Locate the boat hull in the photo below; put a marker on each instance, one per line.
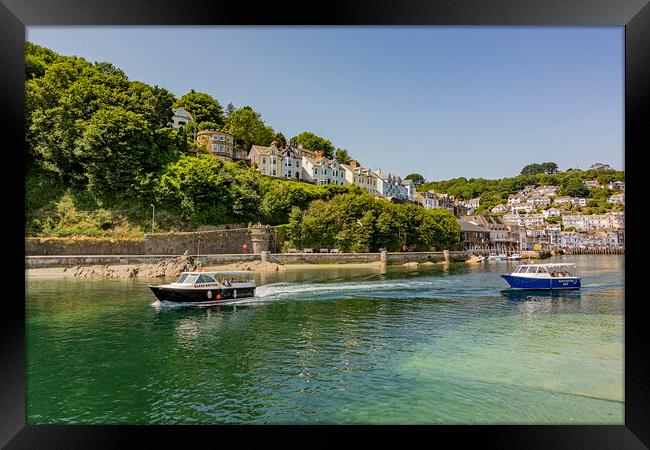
(542, 283)
(201, 296)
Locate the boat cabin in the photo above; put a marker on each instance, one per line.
(546, 270)
(216, 279)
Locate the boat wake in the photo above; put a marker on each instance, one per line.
(387, 288)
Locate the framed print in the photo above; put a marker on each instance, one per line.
(379, 215)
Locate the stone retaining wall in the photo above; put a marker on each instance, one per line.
(83, 246)
(201, 242)
(228, 241)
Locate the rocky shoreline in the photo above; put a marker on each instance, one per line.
(169, 268)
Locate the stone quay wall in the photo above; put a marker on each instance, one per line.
(199, 242)
(32, 262)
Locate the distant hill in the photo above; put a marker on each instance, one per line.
(494, 192)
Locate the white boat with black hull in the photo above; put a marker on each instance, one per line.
(203, 288)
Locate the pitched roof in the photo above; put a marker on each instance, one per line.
(182, 112)
(260, 149)
(466, 225)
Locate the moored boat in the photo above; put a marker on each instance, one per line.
(515, 257)
(544, 276)
(206, 288)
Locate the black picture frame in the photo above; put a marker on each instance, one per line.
(634, 15)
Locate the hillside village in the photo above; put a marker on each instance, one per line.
(536, 218)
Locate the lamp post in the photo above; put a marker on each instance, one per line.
(153, 213)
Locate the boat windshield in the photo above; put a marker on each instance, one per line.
(191, 279)
(182, 278)
(205, 279)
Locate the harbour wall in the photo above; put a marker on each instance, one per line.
(42, 261)
(595, 251)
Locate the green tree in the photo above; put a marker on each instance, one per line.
(248, 128)
(207, 126)
(311, 141)
(439, 229)
(549, 167)
(532, 169)
(280, 140)
(342, 156)
(418, 180)
(202, 106)
(230, 108)
(116, 146)
(575, 187)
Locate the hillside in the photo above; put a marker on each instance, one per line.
(494, 192)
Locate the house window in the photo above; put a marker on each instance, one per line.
(263, 160)
(274, 173)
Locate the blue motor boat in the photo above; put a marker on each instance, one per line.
(544, 276)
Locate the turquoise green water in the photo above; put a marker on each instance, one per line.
(441, 345)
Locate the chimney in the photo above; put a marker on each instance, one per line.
(354, 163)
(320, 153)
(274, 143)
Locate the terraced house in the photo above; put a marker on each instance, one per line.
(268, 160)
(389, 185)
(355, 174)
(321, 170)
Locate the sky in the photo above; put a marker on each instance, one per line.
(445, 102)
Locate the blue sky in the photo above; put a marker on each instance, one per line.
(441, 101)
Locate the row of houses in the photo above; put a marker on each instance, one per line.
(613, 220)
(532, 198)
(483, 233)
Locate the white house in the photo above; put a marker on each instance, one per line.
(539, 201)
(514, 199)
(291, 163)
(617, 199)
(388, 185)
(355, 174)
(543, 191)
(408, 190)
(428, 200)
(552, 212)
(564, 200)
(616, 186)
(501, 208)
(525, 207)
(320, 170)
(180, 117)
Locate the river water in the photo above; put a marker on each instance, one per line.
(438, 345)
